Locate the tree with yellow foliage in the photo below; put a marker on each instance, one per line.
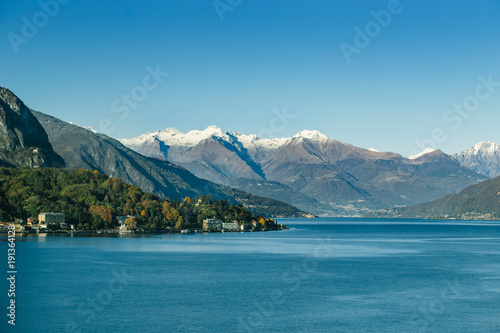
(167, 210)
(131, 223)
(178, 225)
(262, 221)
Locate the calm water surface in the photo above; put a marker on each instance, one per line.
(323, 275)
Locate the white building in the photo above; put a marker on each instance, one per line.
(230, 226)
(123, 227)
(122, 219)
(212, 224)
(51, 218)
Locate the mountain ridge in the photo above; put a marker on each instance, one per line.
(326, 172)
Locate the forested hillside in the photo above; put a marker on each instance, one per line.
(92, 200)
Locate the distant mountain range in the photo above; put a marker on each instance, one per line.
(480, 201)
(310, 170)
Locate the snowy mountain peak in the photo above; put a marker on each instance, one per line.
(487, 147)
(253, 141)
(212, 130)
(312, 135)
(194, 137)
(484, 158)
(172, 131)
(172, 136)
(374, 150)
(426, 151)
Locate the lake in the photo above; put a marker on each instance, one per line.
(322, 275)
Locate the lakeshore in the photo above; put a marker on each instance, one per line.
(216, 226)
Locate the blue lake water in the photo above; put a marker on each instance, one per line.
(322, 275)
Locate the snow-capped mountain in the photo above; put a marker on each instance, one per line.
(424, 152)
(253, 141)
(311, 135)
(172, 137)
(484, 158)
(309, 170)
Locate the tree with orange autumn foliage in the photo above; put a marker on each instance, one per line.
(105, 213)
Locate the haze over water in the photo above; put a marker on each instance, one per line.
(322, 275)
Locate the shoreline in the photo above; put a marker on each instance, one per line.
(137, 232)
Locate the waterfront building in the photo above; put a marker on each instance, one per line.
(230, 226)
(121, 219)
(51, 218)
(212, 224)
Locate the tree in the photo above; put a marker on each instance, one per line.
(134, 193)
(175, 214)
(178, 225)
(262, 221)
(97, 222)
(131, 223)
(103, 212)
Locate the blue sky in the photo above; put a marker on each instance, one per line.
(262, 57)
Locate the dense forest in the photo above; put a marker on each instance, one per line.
(91, 200)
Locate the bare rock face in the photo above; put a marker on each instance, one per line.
(23, 141)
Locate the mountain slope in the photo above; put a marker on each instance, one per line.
(23, 141)
(284, 193)
(484, 158)
(82, 148)
(480, 201)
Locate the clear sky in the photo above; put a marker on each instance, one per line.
(238, 63)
